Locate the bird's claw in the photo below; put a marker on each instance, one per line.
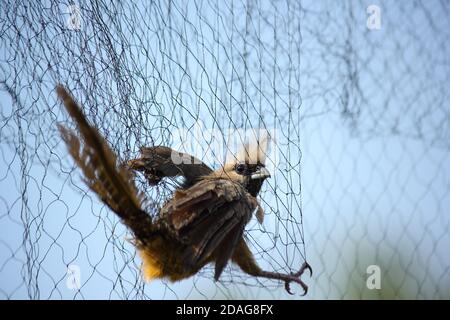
(305, 266)
(295, 277)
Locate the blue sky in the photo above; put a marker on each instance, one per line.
(374, 181)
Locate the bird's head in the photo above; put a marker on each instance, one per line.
(248, 166)
(251, 176)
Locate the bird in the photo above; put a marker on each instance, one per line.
(203, 221)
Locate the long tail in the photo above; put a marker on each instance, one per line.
(102, 173)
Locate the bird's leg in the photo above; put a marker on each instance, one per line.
(243, 257)
(288, 278)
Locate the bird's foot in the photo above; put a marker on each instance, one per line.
(150, 174)
(296, 277)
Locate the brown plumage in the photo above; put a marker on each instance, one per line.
(202, 223)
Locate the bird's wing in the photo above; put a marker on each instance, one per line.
(111, 182)
(210, 217)
(159, 162)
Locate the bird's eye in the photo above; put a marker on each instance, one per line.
(240, 168)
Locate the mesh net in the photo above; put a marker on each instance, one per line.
(372, 166)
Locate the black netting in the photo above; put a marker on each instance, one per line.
(371, 107)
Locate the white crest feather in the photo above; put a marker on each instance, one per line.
(253, 151)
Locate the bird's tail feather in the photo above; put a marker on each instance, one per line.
(102, 173)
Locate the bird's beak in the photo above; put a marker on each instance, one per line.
(261, 173)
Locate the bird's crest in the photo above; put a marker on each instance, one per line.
(254, 151)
